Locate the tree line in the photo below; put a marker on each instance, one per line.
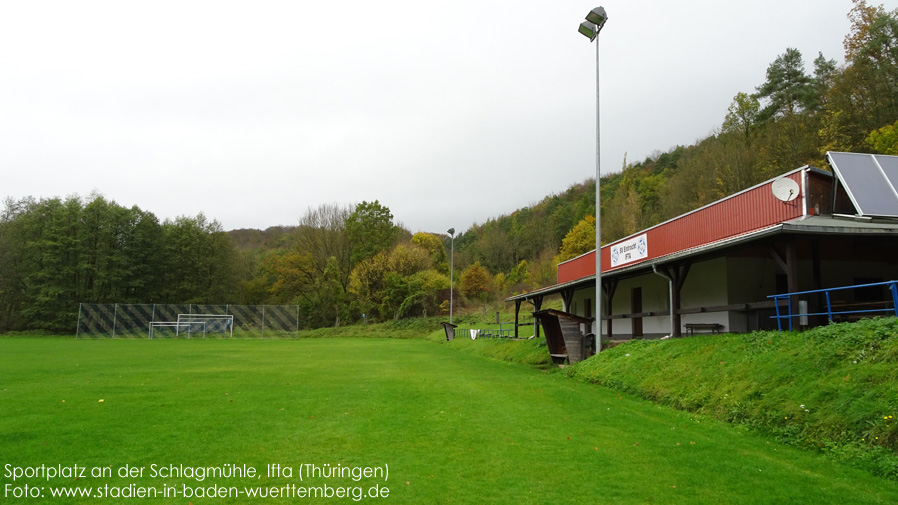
(56, 253)
(341, 264)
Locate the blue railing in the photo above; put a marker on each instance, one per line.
(840, 308)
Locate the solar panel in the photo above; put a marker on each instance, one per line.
(889, 166)
(870, 181)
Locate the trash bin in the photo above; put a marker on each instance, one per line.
(589, 345)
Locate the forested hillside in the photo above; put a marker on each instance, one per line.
(789, 120)
(343, 263)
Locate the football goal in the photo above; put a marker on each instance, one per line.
(196, 324)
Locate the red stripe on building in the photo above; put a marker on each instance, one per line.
(753, 209)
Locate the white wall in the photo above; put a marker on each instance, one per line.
(706, 285)
(724, 281)
(654, 298)
(751, 279)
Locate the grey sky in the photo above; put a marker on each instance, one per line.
(449, 113)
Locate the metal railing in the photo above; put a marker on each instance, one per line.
(487, 333)
(836, 308)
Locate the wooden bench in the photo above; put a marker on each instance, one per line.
(713, 327)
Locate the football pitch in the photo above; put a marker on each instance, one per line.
(365, 420)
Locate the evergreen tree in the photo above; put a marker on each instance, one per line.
(788, 89)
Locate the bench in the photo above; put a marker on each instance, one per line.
(713, 327)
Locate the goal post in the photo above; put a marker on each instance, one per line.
(220, 323)
(188, 327)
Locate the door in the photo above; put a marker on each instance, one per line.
(635, 308)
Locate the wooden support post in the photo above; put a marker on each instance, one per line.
(537, 306)
(677, 275)
(789, 265)
(567, 296)
(608, 288)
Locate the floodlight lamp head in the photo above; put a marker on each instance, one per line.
(597, 17)
(589, 30)
(451, 232)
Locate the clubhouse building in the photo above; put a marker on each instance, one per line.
(715, 268)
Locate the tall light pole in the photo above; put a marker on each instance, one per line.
(451, 233)
(595, 20)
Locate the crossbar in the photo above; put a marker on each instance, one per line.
(205, 317)
(177, 326)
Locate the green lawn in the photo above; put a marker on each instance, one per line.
(451, 427)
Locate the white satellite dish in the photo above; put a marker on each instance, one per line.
(784, 189)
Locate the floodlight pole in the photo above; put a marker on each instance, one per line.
(598, 215)
(595, 20)
(451, 233)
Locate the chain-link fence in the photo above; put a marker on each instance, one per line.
(117, 320)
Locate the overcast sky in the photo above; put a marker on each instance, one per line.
(448, 113)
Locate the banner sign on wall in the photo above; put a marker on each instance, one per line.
(637, 248)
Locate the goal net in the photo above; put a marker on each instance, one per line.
(194, 326)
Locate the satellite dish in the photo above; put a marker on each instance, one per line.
(784, 189)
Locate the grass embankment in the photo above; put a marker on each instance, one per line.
(413, 328)
(833, 388)
(452, 427)
(529, 352)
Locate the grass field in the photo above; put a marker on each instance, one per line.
(449, 426)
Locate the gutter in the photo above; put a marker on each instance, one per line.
(670, 284)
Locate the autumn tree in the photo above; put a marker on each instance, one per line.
(885, 139)
(519, 275)
(435, 249)
(580, 240)
(392, 284)
(476, 282)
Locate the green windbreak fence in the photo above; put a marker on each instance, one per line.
(118, 320)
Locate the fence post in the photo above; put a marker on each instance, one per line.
(78, 329)
(776, 305)
(790, 313)
(894, 289)
(829, 307)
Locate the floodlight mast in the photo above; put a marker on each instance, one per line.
(451, 233)
(590, 28)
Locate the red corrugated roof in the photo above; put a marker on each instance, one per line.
(745, 212)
